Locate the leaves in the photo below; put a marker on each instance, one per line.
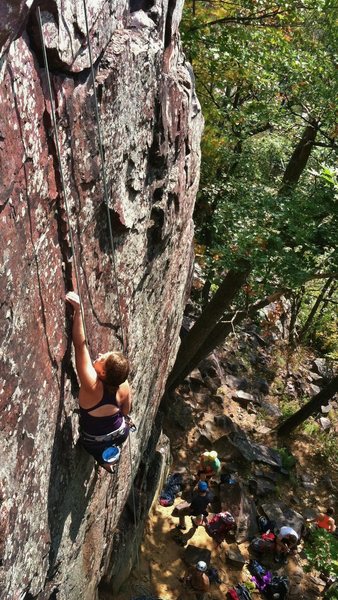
(321, 552)
(263, 74)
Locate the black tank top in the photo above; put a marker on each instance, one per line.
(95, 425)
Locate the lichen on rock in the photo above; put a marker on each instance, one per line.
(57, 513)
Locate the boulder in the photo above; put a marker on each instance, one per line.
(243, 398)
(192, 554)
(227, 453)
(255, 452)
(218, 398)
(234, 498)
(312, 376)
(235, 556)
(263, 429)
(239, 383)
(270, 409)
(195, 377)
(210, 430)
(266, 472)
(321, 367)
(181, 413)
(261, 486)
(282, 514)
(262, 386)
(226, 423)
(325, 423)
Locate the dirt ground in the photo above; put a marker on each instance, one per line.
(160, 559)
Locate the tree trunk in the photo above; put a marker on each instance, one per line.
(327, 299)
(311, 407)
(212, 313)
(205, 293)
(314, 309)
(299, 158)
(296, 302)
(219, 333)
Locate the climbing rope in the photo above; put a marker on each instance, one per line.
(105, 189)
(112, 245)
(104, 181)
(56, 140)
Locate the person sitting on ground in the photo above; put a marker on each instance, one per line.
(286, 543)
(197, 508)
(104, 396)
(198, 582)
(325, 520)
(209, 465)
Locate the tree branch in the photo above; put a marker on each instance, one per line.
(239, 19)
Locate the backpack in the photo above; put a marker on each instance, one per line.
(172, 487)
(261, 545)
(256, 568)
(260, 576)
(265, 524)
(219, 525)
(240, 592)
(277, 588)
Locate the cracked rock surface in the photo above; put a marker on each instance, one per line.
(57, 513)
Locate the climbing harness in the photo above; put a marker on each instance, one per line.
(107, 437)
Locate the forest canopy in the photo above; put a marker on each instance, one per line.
(266, 76)
(266, 212)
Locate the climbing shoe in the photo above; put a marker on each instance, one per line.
(111, 455)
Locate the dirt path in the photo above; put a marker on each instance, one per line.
(161, 563)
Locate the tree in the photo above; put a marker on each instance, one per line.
(309, 409)
(329, 283)
(217, 334)
(209, 318)
(268, 95)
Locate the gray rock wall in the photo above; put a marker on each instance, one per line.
(57, 513)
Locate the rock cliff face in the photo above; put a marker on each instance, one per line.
(58, 515)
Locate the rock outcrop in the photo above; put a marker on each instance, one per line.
(57, 513)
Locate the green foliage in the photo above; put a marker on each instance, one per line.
(288, 407)
(322, 334)
(263, 74)
(329, 447)
(310, 427)
(288, 461)
(332, 592)
(321, 551)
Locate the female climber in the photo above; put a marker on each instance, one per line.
(104, 397)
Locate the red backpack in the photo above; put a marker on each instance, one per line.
(219, 525)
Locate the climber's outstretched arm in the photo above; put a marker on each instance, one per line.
(85, 370)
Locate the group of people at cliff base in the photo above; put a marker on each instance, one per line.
(281, 543)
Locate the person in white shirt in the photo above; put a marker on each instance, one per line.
(286, 543)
